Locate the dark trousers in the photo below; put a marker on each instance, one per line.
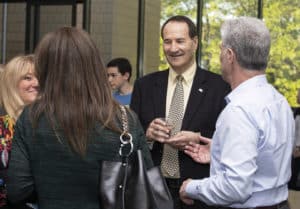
(295, 173)
(282, 205)
(174, 186)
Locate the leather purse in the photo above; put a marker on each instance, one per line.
(127, 184)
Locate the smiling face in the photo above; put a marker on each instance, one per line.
(28, 87)
(178, 46)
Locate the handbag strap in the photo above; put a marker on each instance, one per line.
(125, 137)
(124, 151)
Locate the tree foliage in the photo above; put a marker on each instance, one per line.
(282, 18)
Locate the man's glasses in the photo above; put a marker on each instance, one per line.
(113, 75)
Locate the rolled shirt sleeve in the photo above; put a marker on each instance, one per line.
(235, 147)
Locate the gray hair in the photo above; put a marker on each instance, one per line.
(250, 39)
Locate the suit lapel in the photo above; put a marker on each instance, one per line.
(160, 93)
(196, 97)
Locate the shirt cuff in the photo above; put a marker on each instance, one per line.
(192, 189)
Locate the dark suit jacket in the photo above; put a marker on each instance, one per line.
(205, 103)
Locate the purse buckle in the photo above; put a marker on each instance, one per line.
(126, 140)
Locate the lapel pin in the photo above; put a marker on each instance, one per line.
(200, 90)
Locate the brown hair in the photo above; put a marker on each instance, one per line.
(74, 91)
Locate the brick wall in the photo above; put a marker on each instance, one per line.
(54, 17)
(15, 34)
(114, 26)
(152, 31)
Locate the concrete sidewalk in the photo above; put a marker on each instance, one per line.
(294, 199)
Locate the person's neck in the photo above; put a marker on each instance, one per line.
(241, 75)
(126, 89)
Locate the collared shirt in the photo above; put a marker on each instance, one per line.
(251, 149)
(188, 77)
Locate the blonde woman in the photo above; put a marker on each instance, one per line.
(18, 87)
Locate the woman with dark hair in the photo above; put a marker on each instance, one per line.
(74, 124)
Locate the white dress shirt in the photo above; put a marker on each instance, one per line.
(251, 149)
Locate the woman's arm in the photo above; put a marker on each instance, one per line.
(20, 184)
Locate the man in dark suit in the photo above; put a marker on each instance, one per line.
(203, 100)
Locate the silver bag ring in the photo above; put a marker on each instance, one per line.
(122, 147)
(126, 138)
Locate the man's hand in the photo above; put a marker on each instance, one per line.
(199, 152)
(158, 131)
(183, 196)
(183, 138)
(296, 152)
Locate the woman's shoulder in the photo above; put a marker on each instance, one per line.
(133, 119)
(25, 114)
(27, 121)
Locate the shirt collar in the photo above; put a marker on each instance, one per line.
(188, 75)
(250, 83)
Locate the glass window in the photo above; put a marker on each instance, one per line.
(214, 13)
(283, 20)
(281, 17)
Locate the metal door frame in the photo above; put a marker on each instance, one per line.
(86, 24)
(31, 39)
(36, 4)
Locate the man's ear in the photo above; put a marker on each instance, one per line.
(195, 43)
(126, 75)
(230, 54)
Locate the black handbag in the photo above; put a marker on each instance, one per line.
(127, 184)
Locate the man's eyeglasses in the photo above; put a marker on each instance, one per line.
(113, 75)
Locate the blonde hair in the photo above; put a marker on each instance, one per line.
(14, 71)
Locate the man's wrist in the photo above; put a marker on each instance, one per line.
(149, 139)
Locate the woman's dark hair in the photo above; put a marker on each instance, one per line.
(74, 91)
